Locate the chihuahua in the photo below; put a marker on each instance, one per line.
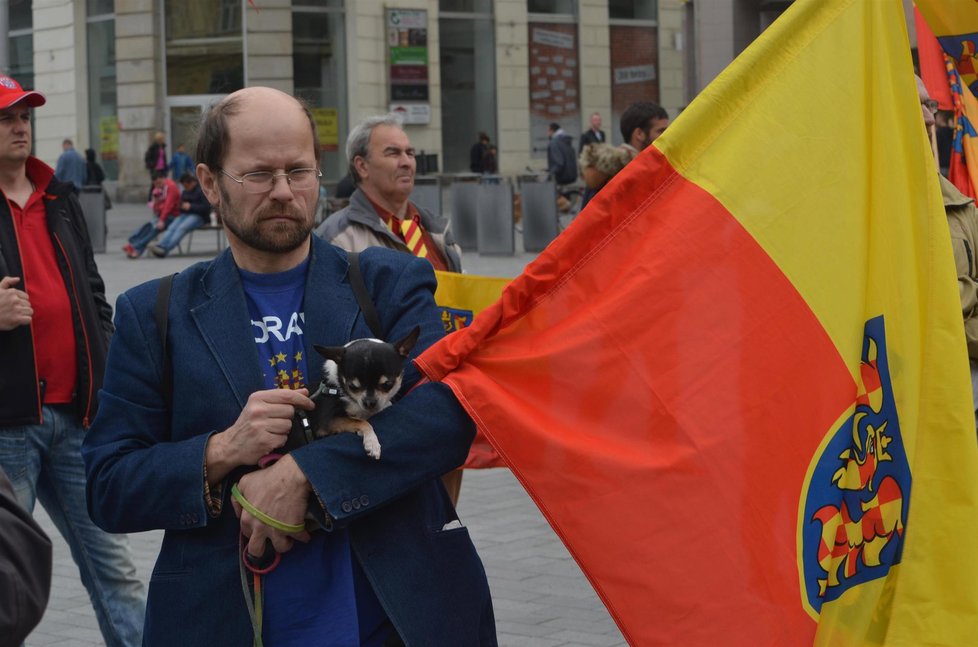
(359, 380)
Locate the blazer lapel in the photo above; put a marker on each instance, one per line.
(224, 323)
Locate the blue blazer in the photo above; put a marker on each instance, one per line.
(145, 464)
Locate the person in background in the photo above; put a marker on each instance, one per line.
(71, 166)
(155, 157)
(94, 174)
(561, 160)
(477, 154)
(55, 326)
(641, 124)
(195, 210)
(165, 206)
(181, 164)
(593, 135)
(490, 165)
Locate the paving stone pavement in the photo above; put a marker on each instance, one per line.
(541, 598)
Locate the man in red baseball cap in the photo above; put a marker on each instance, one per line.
(55, 325)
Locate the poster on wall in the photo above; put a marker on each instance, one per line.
(634, 66)
(407, 56)
(108, 128)
(554, 74)
(327, 127)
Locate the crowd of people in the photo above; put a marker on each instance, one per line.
(109, 445)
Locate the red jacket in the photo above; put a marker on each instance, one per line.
(166, 201)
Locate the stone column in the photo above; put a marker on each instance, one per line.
(60, 72)
(595, 58)
(512, 86)
(369, 75)
(269, 45)
(671, 56)
(139, 79)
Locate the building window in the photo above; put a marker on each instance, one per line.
(568, 7)
(632, 9)
(20, 42)
(203, 47)
(103, 120)
(554, 71)
(467, 52)
(319, 75)
(634, 52)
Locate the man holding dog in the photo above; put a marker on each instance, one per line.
(55, 326)
(390, 563)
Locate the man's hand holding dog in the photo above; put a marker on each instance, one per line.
(262, 427)
(15, 306)
(281, 491)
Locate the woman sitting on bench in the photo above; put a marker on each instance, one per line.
(195, 210)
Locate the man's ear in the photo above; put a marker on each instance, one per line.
(360, 164)
(208, 184)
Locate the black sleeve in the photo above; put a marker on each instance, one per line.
(95, 282)
(25, 568)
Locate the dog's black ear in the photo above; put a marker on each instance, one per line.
(334, 353)
(405, 345)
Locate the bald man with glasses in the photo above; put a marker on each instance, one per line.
(387, 561)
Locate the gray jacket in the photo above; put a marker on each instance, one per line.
(357, 226)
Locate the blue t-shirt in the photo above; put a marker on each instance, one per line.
(313, 596)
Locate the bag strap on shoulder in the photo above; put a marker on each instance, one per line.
(363, 297)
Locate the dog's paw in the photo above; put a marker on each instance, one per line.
(372, 446)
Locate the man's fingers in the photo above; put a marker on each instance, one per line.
(9, 281)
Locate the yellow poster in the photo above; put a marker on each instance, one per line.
(108, 127)
(327, 125)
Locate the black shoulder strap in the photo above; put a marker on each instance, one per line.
(160, 314)
(363, 297)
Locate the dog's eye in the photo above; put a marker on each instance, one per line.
(385, 387)
(354, 387)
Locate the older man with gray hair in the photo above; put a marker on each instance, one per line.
(380, 213)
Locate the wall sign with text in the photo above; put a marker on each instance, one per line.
(407, 56)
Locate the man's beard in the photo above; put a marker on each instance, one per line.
(279, 238)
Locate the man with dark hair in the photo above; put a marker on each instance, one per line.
(185, 423)
(478, 153)
(642, 123)
(561, 160)
(55, 326)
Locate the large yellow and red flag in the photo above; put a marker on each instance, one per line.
(737, 385)
(955, 25)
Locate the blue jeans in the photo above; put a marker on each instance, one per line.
(184, 223)
(44, 462)
(145, 235)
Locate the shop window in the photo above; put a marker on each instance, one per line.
(468, 84)
(319, 76)
(203, 47)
